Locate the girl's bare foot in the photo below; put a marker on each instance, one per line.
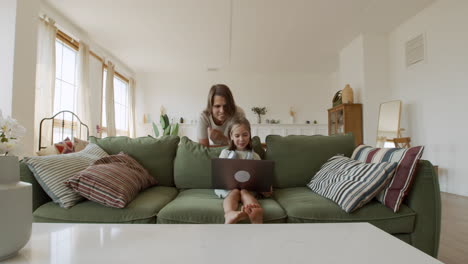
(255, 213)
(233, 217)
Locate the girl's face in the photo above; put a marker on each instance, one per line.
(219, 109)
(240, 135)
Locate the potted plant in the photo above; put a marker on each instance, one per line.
(15, 196)
(259, 111)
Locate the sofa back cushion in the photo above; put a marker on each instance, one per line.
(192, 166)
(155, 155)
(298, 158)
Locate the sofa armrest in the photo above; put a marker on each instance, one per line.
(424, 199)
(39, 197)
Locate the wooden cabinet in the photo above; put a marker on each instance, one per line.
(346, 118)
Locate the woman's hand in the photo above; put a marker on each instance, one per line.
(268, 194)
(217, 136)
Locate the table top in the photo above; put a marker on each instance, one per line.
(268, 243)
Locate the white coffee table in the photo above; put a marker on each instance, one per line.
(220, 244)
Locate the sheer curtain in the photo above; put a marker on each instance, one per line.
(45, 78)
(110, 106)
(84, 92)
(131, 108)
(96, 87)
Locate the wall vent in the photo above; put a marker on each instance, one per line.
(415, 50)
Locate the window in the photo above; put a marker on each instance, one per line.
(120, 104)
(65, 89)
(65, 77)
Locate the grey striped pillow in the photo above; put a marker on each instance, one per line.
(53, 171)
(350, 183)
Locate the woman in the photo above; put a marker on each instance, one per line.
(216, 118)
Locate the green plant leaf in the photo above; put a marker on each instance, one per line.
(166, 118)
(175, 130)
(156, 130)
(167, 131)
(164, 123)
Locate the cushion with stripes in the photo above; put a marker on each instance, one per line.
(53, 171)
(112, 181)
(350, 183)
(394, 193)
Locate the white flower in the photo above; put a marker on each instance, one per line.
(10, 134)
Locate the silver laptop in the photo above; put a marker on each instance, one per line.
(253, 175)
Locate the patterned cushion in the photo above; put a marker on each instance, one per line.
(79, 144)
(350, 183)
(112, 181)
(392, 195)
(65, 146)
(51, 150)
(53, 171)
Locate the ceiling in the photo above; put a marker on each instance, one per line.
(232, 35)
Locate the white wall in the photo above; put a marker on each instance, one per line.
(364, 66)
(435, 92)
(7, 49)
(351, 67)
(376, 86)
(185, 94)
(19, 22)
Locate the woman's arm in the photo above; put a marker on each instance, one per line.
(202, 130)
(204, 141)
(217, 137)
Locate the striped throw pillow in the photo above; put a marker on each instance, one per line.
(112, 181)
(349, 183)
(53, 171)
(394, 193)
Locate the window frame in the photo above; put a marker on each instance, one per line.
(76, 45)
(126, 81)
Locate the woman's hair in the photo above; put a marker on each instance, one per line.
(224, 91)
(239, 121)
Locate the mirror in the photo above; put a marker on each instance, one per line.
(389, 122)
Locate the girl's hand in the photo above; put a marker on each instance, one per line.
(217, 136)
(268, 194)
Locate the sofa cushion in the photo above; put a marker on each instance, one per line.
(156, 155)
(192, 165)
(53, 171)
(350, 183)
(304, 206)
(112, 181)
(143, 209)
(397, 189)
(298, 158)
(202, 206)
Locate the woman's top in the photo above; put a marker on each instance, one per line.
(206, 121)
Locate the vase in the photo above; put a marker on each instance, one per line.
(16, 206)
(347, 95)
(259, 119)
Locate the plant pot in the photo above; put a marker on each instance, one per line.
(16, 206)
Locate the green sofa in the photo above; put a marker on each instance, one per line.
(184, 193)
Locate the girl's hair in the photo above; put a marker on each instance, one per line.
(224, 91)
(239, 121)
